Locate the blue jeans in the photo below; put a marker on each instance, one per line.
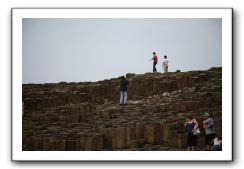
(123, 97)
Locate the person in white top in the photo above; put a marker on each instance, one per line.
(165, 64)
(217, 142)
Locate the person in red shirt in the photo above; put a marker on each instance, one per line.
(155, 61)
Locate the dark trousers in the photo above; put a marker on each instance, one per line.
(217, 148)
(154, 65)
(191, 139)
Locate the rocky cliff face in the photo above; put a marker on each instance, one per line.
(87, 116)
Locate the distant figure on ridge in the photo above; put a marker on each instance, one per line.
(155, 61)
(123, 90)
(165, 64)
(192, 129)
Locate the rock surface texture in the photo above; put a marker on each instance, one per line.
(87, 116)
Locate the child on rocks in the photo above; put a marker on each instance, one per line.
(217, 142)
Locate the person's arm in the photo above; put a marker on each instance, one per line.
(195, 126)
(151, 59)
(185, 123)
(211, 142)
(204, 121)
(120, 83)
(209, 123)
(205, 124)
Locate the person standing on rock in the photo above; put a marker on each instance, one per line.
(123, 90)
(208, 125)
(192, 129)
(155, 61)
(165, 64)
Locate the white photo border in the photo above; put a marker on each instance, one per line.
(16, 46)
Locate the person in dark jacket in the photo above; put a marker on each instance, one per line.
(123, 90)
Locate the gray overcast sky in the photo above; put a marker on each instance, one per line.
(75, 50)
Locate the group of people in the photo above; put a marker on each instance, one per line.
(124, 82)
(213, 141)
(155, 62)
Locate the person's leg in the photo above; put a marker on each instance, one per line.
(121, 98)
(194, 141)
(189, 142)
(220, 148)
(154, 68)
(208, 140)
(166, 69)
(212, 136)
(125, 97)
(217, 148)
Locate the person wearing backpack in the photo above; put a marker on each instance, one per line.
(192, 129)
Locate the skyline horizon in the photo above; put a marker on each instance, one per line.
(120, 76)
(92, 49)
